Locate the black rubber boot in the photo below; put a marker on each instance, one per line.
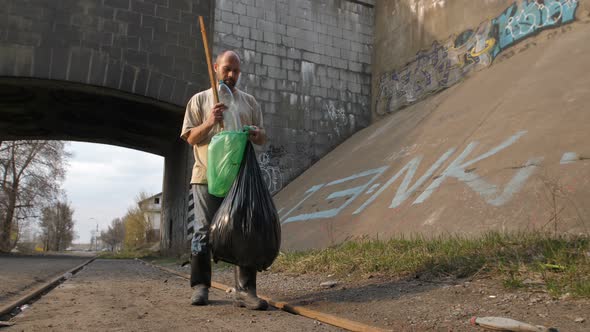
(246, 289)
(200, 278)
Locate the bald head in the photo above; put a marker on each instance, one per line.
(227, 68)
(228, 53)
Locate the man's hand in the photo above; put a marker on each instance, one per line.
(256, 135)
(216, 114)
(200, 133)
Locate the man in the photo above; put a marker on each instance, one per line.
(202, 121)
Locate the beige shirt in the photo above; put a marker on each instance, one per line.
(198, 110)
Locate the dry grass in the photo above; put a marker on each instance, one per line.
(559, 264)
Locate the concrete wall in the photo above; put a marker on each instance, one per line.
(308, 63)
(423, 46)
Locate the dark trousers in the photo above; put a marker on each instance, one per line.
(206, 205)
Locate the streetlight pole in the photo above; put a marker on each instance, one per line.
(95, 237)
(96, 242)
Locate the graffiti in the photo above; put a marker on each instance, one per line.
(354, 193)
(571, 157)
(338, 118)
(528, 17)
(460, 168)
(271, 174)
(446, 63)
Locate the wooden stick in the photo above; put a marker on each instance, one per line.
(209, 64)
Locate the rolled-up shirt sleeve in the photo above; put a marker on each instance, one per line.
(192, 117)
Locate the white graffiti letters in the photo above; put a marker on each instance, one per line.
(353, 193)
(460, 168)
(402, 192)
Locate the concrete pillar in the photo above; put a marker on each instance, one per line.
(177, 171)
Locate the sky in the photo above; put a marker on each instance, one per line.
(103, 181)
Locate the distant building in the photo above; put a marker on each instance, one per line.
(152, 212)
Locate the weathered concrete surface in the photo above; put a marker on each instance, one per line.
(424, 46)
(503, 143)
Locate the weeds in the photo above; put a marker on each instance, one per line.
(561, 264)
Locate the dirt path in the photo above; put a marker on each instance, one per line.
(130, 296)
(415, 305)
(127, 295)
(419, 305)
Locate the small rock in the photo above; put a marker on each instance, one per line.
(329, 284)
(580, 320)
(230, 290)
(565, 296)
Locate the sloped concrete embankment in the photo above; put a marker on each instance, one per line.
(504, 150)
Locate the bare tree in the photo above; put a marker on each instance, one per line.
(30, 176)
(57, 226)
(115, 235)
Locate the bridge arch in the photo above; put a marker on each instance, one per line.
(117, 72)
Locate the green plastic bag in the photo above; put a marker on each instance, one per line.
(225, 154)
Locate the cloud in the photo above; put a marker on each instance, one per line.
(103, 181)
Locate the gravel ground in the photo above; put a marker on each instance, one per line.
(20, 274)
(126, 295)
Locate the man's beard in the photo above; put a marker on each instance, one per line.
(230, 83)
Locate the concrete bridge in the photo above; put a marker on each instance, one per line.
(115, 71)
(121, 71)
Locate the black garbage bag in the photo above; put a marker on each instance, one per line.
(246, 230)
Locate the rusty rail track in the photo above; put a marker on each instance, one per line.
(39, 290)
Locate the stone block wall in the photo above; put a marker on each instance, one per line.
(308, 63)
(145, 47)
